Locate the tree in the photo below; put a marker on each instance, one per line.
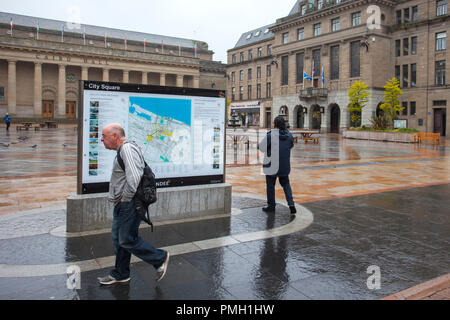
(391, 105)
(358, 96)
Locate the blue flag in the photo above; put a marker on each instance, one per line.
(305, 76)
(323, 77)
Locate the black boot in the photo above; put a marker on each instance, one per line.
(268, 209)
(293, 210)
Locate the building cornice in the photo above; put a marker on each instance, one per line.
(298, 19)
(69, 49)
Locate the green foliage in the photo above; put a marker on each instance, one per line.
(358, 96)
(391, 105)
(379, 122)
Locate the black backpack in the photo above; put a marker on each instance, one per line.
(145, 193)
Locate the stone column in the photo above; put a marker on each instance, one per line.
(196, 81)
(144, 77)
(179, 80)
(12, 87)
(105, 74)
(162, 79)
(61, 109)
(125, 77)
(84, 73)
(38, 89)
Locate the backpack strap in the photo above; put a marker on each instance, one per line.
(119, 159)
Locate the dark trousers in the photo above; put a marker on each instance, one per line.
(270, 189)
(126, 241)
(7, 126)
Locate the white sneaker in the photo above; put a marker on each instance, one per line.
(111, 280)
(161, 271)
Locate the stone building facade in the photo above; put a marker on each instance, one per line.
(41, 65)
(347, 41)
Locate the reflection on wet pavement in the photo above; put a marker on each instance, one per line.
(381, 204)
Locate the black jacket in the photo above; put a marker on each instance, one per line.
(277, 145)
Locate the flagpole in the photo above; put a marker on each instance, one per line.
(144, 45)
(37, 31)
(12, 27)
(84, 36)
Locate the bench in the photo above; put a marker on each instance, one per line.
(421, 136)
(313, 139)
(21, 128)
(295, 139)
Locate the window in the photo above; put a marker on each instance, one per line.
(241, 93)
(412, 108)
(258, 72)
(269, 50)
(414, 45)
(316, 62)
(405, 46)
(405, 108)
(354, 59)
(399, 16)
(249, 35)
(397, 72)
(249, 92)
(299, 59)
(405, 76)
(241, 75)
(441, 7)
(441, 41)
(258, 91)
(300, 34)
(397, 48)
(440, 103)
(303, 10)
(268, 90)
(413, 74)
(285, 37)
(259, 52)
(250, 54)
(233, 76)
(334, 62)
(406, 15)
(249, 74)
(356, 19)
(241, 56)
(415, 14)
(2, 93)
(233, 58)
(233, 94)
(284, 70)
(257, 33)
(317, 29)
(320, 4)
(335, 24)
(440, 72)
(269, 71)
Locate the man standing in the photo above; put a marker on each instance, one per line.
(277, 145)
(7, 119)
(122, 187)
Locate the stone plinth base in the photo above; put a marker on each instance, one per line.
(94, 211)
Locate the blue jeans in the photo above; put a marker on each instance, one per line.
(270, 189)
(126, 241)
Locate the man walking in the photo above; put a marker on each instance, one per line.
(277, 145)
(7, 119)
(122, 187)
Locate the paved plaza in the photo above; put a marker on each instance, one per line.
(362, 206)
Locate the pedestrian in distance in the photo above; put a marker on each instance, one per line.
(126, 221)
(7, 119)
(277, 145)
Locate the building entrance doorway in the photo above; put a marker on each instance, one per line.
(335, 118)
(71, 109)
(48, 108)
(440, 118)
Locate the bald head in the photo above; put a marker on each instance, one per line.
(113, 136)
